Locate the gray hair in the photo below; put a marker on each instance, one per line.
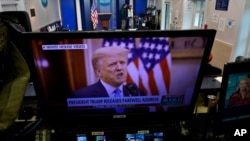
(107, 51)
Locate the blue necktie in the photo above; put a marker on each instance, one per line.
(117, 93)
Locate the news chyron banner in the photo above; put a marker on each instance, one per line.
(64, 47)
(174, 100)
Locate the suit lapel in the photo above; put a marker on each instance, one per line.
(125, 91)
(100, 90)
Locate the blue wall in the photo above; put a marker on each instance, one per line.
(139, 7)
(85, 13)
(69, 14)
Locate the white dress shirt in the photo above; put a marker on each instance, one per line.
(110, 89)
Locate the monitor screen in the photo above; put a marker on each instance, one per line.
(235, 92)
(157, 136)
(157, 74)
(127, 136)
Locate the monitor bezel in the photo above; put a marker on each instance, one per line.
(64, 115)
(229, 124)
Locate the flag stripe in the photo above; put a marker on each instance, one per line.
(133, 73)
(129, 79)
(141, 86)
(166, 74)
(143, 74)
(152, 83)
(161, 86)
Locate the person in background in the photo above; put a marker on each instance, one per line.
(210, 69)
(242, 94)
(124, 16)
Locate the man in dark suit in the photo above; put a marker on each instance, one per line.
(110, 66)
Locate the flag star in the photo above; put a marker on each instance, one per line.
(130, 55)
(152, 46)
(157, 56)
(144, 55)
(123, 44)
(115, 44)
(162, 38)
(150, 56)
(166, 48)
(148, 65)
(106, 44)
(159, 47)
(146, 45)
(130, 45)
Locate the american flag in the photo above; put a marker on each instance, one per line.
(154, 65)
(149, 63)
(94, 15)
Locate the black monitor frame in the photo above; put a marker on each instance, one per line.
(229, 118)
(58, 116)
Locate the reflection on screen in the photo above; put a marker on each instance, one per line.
(157, 136)
(100, 138)
(81, 137)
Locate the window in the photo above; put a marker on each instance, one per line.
(198, 14)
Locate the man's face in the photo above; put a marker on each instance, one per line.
(113, 69)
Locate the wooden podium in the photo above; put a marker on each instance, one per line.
(104, 17)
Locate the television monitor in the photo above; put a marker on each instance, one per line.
(234, 98)
(166, 66)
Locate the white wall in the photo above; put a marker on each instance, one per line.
(242, 46)
(44, 15)
(235, 37)
(11, 5)
(215, 19)
(238, 34)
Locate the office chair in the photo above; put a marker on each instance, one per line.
(14, 71)
(18, 21)
(17, 17)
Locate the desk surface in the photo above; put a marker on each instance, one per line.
(211, 82)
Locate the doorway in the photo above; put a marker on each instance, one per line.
(198, 14)
(167, 15)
